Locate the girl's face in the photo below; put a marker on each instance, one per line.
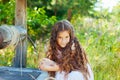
(63, 38)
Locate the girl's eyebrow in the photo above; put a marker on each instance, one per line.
(59, 36)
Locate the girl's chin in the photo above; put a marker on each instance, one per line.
(63, 46)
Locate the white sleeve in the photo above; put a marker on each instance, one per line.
(59, 75)
(90, 72)
(75, 75)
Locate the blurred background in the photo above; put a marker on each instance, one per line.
(96, 23)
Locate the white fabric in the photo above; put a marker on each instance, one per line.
(90, 72)
(74, 75)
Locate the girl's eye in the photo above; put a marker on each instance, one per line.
(67, 36)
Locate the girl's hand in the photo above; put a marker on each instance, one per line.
(48, 65)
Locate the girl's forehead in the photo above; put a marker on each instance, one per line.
(62, 26)
(63, 32)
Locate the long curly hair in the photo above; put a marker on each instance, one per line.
(70, 58)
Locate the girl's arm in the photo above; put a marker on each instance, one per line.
(48, 65)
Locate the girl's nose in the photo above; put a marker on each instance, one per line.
(64, 40)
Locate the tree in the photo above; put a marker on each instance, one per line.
(65, 8)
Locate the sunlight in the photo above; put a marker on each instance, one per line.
(106, 4)
(109, 4)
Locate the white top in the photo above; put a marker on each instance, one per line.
(74, 75)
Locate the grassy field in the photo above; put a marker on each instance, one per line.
(100, 39)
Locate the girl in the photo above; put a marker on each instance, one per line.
(66, 59)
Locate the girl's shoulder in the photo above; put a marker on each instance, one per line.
(77, 75)
(73, 75)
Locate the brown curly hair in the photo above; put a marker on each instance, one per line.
(67, 58)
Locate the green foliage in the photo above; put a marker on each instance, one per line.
(99, 33)
(6, 56)
(60, 8)
(100, 38)
(39, 24)
(116, 12)
(8, 12)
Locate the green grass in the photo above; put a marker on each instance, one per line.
(102, 45)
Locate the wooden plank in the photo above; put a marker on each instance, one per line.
(21, 48)
(20, 13)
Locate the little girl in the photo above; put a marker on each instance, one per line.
(66, 59)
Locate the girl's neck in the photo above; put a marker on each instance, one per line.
(60, 48)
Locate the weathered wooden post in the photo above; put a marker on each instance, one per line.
(20, 20)
(17, 36)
